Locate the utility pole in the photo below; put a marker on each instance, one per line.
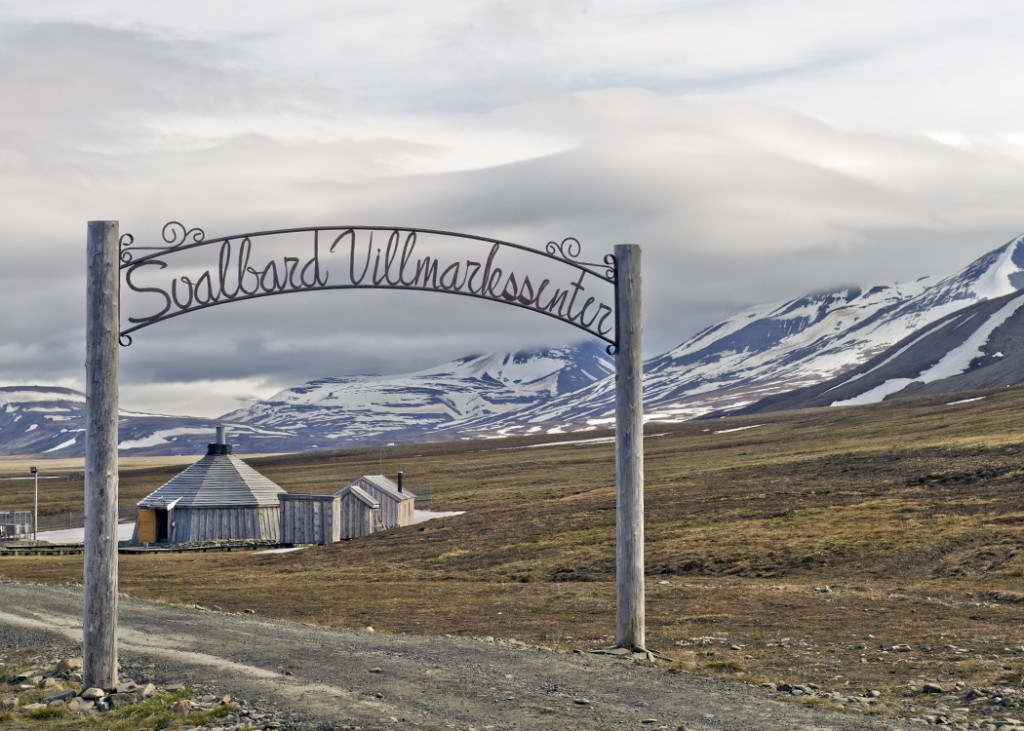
(35, 504)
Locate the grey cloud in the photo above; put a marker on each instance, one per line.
(81, 82)
(734, 202)
(721, 228)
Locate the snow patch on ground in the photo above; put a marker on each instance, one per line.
(77, 535)
(595, 440)
(421, 516)
(738, 428)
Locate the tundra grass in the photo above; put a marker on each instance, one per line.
(804, 549)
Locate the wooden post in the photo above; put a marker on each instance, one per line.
(99, 629)
(629, 450)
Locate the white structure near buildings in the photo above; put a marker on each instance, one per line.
(15, 524)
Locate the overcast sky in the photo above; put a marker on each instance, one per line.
(756, 149)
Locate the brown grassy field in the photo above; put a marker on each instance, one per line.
(803, 550)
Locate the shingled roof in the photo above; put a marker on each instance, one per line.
(380, 484)
(217, 480)
(359, 494)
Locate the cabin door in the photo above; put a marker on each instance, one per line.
(163, 522)
(154, 525)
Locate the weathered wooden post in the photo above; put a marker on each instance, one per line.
(99, 629)
(629, 450)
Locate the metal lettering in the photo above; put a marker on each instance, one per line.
(240, 274)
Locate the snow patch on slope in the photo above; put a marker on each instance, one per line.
(953, 363)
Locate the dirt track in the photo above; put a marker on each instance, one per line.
(323, 678)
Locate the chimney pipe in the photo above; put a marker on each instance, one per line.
(400, 480)
(221, 446)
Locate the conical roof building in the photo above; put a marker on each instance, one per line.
(219, 497)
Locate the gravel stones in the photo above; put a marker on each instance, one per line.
(950, 706)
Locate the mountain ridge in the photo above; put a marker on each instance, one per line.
(786, 345)
(854, 343)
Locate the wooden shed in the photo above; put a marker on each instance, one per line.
(311, 519)
(396, 503)
(219, 497)
(360, 513)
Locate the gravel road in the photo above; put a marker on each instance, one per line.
(325, 679)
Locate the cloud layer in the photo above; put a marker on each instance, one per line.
(756, 150)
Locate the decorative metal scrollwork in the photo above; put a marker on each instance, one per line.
(125, 253)
(569, 250)
(611, 272)
(176, 235)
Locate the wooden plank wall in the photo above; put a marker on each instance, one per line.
(404, 512)
(211, 524)
(310, 519)
(357, 518)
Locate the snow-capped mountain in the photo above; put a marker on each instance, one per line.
(322, 414)
(38, 420)
(50, 421)
(335, 412)
(849, 346)
(779, 347)
(964, 351)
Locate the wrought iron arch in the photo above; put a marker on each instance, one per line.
(577, 300)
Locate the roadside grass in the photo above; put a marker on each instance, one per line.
(49, 712)
(803, 550)
(157, 713)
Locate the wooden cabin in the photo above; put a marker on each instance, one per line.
(396, 503)
(219, 497)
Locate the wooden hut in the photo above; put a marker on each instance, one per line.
(311, 519)
(321, 519)
(360, 513)
(219, 497)
(396, 503)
